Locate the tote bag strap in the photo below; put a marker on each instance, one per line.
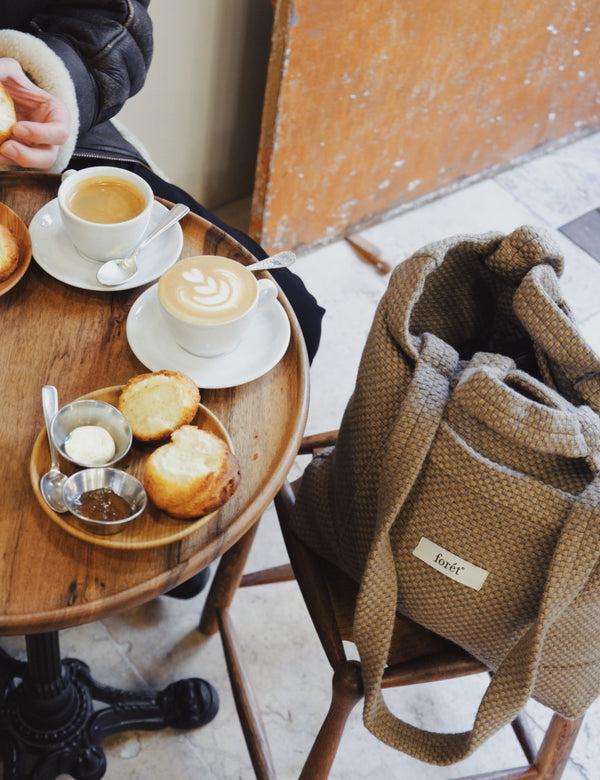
(576, 554)
(539, 304)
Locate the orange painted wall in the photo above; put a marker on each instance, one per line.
(373, 104)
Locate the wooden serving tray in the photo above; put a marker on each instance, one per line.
(153, 528)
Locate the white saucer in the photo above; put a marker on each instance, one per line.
(262, 347)
(54, 252)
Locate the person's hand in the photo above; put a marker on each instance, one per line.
(43, 121)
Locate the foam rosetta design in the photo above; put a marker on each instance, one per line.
(207, 289)
(215, 292)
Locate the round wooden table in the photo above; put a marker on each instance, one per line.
(54, 333)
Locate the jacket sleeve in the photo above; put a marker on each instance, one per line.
(92, 54)
(106, 46)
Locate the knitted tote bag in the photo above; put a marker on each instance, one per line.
(463, 491)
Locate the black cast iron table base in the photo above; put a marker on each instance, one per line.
(48, 722)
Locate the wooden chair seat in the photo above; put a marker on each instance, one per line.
(417, 656)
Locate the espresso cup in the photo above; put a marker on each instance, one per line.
(105, 210)
(208, 302)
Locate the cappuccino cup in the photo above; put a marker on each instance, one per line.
(208, 302)
(105, 210)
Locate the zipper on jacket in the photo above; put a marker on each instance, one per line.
(109, 157)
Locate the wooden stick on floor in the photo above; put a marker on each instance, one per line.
(368, 253)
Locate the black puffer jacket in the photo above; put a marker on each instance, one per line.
(93, 54)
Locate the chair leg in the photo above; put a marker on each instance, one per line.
(557, 746)
(525, 738)
(347, 691)
(275, 574)
(226, 581)
(552, 756)
(245, 701)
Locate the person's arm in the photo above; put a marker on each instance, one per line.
(106, 46)
(90, 55)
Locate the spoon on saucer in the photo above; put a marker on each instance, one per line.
(52, 481)
(121, 269)
(279, 260)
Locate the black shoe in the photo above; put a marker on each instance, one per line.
(191, 587)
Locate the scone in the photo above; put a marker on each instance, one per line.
(192, 475)
(8, 117)
(158, 403)
(9, 253)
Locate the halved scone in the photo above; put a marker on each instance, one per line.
(158, 403)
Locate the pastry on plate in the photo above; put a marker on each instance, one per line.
(158, 403)
(192, 475)
(9, 253)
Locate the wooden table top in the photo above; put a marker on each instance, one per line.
(52, 333)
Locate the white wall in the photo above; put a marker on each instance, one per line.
(200, 109)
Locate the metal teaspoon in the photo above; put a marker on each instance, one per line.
(280, 260)
(52, 481)
(121, 269)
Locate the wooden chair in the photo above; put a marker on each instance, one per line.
(417, 655)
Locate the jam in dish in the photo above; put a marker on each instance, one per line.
(103, 504)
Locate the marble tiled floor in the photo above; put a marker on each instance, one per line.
(158, 642)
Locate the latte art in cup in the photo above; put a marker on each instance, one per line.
(208, 303)
(207, 289)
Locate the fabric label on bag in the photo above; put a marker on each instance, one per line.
(451, 565)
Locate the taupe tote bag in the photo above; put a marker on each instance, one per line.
(464, 489)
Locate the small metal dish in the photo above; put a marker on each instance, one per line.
(120, 482)
(90, 412)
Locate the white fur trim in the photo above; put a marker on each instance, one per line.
(49, 72)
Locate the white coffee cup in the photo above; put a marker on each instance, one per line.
(208, 303)
(105, 210)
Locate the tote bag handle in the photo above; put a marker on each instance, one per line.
(533, 415)
(539, 306)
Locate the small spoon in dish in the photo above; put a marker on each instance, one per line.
(117, 271)
(51, 483)
(280, 260)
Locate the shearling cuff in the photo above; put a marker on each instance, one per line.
(48, 71)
